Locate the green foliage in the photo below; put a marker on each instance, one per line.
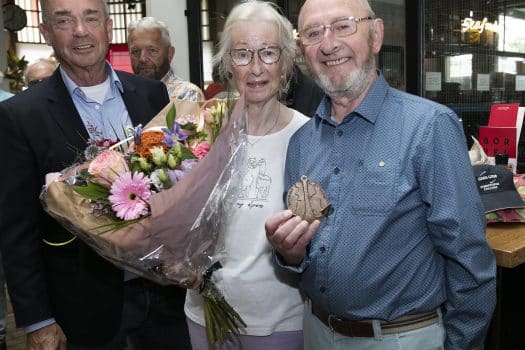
(186, 153)
(93, 191)
(15, 71)
(170, 116)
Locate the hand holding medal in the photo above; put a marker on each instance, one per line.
(290, 231)
(307, 199)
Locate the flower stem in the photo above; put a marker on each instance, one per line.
(221, 320)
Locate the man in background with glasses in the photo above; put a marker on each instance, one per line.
(151, 54)
(400, 261)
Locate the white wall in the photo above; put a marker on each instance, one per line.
(171, 12)
(32, 52)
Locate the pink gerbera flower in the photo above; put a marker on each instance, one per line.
(129, 195)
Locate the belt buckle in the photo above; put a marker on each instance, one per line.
(333, 318)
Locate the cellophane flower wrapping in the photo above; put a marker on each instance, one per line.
(177, 237)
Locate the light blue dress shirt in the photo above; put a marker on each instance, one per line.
(107, 121)
(407, 229)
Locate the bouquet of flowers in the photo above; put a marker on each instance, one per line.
(154, 204)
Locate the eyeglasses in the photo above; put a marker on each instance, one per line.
(268, 55)
(68, 23)
(341, 28)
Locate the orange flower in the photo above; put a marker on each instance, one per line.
(148, 140)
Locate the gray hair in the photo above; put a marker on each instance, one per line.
(150, 23)
(253, 10)
(45, 61)
(43, 8)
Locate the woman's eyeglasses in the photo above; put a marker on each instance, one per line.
(268, 55)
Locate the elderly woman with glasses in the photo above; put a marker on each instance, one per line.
(256, 53)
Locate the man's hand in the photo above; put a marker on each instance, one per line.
(290, 235)
(47, 338)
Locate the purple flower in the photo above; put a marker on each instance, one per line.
(136, 132)
(174, 135)
(188, 164)
(175, 175)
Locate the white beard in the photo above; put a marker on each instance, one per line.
(355, 84)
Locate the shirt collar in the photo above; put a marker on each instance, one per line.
(71, 86)
(369, 108)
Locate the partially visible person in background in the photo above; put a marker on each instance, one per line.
(255, 52)
(303, 93)
(4, 95)
(38, 70)
(151, 52)
(216, 86)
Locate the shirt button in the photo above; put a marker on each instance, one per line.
(336, 170)
(322, 249)
(322, 289)
(339, 132)
(97, 106)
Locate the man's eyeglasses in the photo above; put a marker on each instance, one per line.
(268, 55)
(68, 23)
(341, 28)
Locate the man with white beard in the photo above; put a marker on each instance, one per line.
(400, 260)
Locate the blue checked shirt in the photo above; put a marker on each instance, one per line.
(407, 230)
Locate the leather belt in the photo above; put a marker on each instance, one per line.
(364, 328)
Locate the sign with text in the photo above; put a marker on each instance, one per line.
(498, 139)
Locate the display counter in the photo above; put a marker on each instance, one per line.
(508, 243)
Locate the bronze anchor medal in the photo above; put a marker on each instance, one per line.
(308, 200)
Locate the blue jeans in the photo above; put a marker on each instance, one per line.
(318, 336)
(152, 318)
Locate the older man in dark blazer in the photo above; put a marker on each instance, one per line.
(59, 287)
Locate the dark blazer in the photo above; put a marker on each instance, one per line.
(41, 132)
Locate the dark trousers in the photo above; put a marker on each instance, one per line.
(152, 318)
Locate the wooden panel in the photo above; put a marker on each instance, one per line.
(508, 243)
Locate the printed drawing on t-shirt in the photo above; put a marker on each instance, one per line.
(255, 183)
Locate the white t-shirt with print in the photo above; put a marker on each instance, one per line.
(266, 298)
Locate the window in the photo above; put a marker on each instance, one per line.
(121, 11)
(31, 33)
